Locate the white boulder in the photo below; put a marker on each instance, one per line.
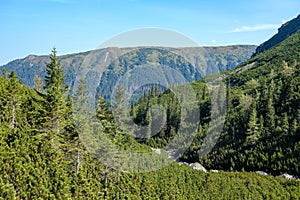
(198, 166)
(262, 173)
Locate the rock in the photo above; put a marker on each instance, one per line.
(262, 173)
(215, 171)
(198, 166)
(158, 151)
(288, 176)
(183, 163)
(171, 154)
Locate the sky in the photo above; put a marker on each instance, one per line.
(36, 26)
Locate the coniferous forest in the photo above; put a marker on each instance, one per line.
(44, 131)
(261, 130)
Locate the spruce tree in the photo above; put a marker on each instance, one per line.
(55, 96)
(81, 117)
(14, 99)
(253, 131)
(119, 108)
(53, 144)
(270, 115)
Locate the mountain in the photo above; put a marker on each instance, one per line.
(41, 140)
(261, 129)
(286, 30)
(194, 63)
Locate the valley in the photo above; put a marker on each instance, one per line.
(210, 123)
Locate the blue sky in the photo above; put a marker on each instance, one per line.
(35, 26)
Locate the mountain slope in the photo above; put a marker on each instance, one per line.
(286, 30)
(93, 63)
(41, 169)
(262, 126)
(262, 129)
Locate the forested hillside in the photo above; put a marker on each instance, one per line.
(42, 156)
(261, 130)
(54, 146)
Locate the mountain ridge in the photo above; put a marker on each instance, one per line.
(286, 30)
(90, 63)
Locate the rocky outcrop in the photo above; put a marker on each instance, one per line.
(198, 166)
(262, 173)
(289, 177)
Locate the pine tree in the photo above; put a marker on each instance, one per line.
(53, 145)
(270, 115)
(104, 114)
(55, 96)
(261, 125)
(14, 99)
(285, 124)
(253, 131)
(81, 116)
(71, 137)
(120, 113)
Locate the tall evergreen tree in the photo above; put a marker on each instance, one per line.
(119, 107)
(56, 122)
(14, 99)
(80, 115)
(270, 115)
(55, 95)
(253, 131)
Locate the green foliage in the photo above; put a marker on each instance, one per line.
(268, 142)
(42, 155)
(34, 168)
(261, 130)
